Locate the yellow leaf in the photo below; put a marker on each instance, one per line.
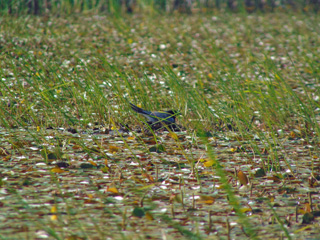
(301, 211)
(130, 41)
(105, 169)
(113, 149)
(208, 163)
(206, 199)
(220, 186)
(38, 128)
(233, 149)
(207, 173)
(112, 190)
(54, 217)
(149, 216)
(173, 135)
(53, 209)
(131, 138)
(57, 170)
(307, 208)
(245, 210)
(93, 163)
(242, 178)
(149, 177)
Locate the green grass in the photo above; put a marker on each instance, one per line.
(248, 91)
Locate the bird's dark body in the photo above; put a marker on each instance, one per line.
(167, 117)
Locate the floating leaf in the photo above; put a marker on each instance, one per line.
(105, 169)
(158, 148)
(275, 178)
(207, 199)
(52, 156)
(208, 162)
(138, 212)
(57, 170)
(48, 155)
(233, 149)
(245, 210)
(86, 165)
(307, 208)
(260, 173)
(173, 135)
(242, 178)
(53, 209)
(148, 176)
(307, 218)
(93, 163)
(113, 190)
(149, 141)
(149, 216)
(106, 162)
(113, 149)
(292, 134)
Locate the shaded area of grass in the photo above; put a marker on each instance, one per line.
(119, 7)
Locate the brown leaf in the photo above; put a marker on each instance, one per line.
(113, 149)
(148, 176)
(57, 170)
(242, 178)
(206, 199)
(307, 208)
(149, 216)
(173, 135)
(113, 190)
(93, 163)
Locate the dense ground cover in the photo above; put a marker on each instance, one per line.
(78, 163)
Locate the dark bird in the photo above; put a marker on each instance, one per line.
(167, 117)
